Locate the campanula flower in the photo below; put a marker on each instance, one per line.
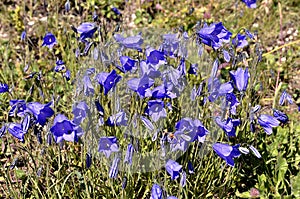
(227, 152)
(285, 96)
(88, 87)
(179, 141)
(250, 3)
(166, 90)
(67, 75)
(214, 35)
(127, 63)
(217, 89)
(228, 125)
(267, 122)
(60, 66)
(240, 78)
(226, 55)
(116, 11)
(23, 35)
(182, 67)
(150, 70)
(40, 111)
(64, 129)
(170, 45)
(231, 98)
(240, 41)
(129, 153)
(141, 85)
(193, 128)
(17, 131)
(183, 179)
(80, 112)
(3, 88)
(156, 192)
(107, 145)
(3, 130)
(255, 151)
(156, 110)
(193, 69)
(155, 57)
(190, 167)
(132, 42)
(113, 172)
(108, 80)
(119, 119)
(18, 108)
(280, 116)
(86, 30)
(49, 40)
(173, 168)
(149, 125)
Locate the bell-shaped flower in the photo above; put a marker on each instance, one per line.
(232, 100)
(267, 122)
(155, 57)
(129, 154)
(49, 40)
(64, 129)
(240, 78)
(141, 85)
(285, 96)
(170, 45)
(119, 119)
(4, 88)
(107, 145)
(114, 169)
(156, 110)
(80, 112)
(227, 152)
(86, 30)
(156, 192)
(250, 3)
(40, 111)
(127, 63)
(88, 87)
(240, 41)
(280, 116)
(132, 42)
(173, 168)
(17, 131)
(214, 35)
(228, 125)
(18, 107)
(108, 80)
(60, 66)
(217, 89)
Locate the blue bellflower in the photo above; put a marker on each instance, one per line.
(156, 192)
(141, 85)
(17, 131)
(155, 57)
(240, 78)
(170, 45)
(49, 40)
(132, 42)
(240, 41)
(285, 96)
(88, 88)
(156, 110)
(228, 125)
(64, 129)
(80, 112)
(250, 3)
(108, 80)
(107, 145)
(86, 30)
(127, 63)
(173, 168)
(227, 152)
(60, 66)
(119, 119)
(113, 172)
(280, 116)
(18, 107)
(214, 35)
(3, 88)
(40, 111)
(267, 122)
(231, 98)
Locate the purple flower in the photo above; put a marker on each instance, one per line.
(80, 111)
(280, 116)
(23, 35)
(141, 85)
(170, 44)
(108, 80)
(156, 192)
(17, 131)
(107, 145)
(3, 88)
(227, 152)
(268, 122)
(250, 3)
(231, 98)
(118, 119)
(88, 87)
(113, 172)
(149, 70)
(132, 42)
(190, 167)
(226, 55)
(116, 11)
(18, 108)
(192, 128)
(86, 30)
(255, 151)
(173, 168)
(228, 125)
(193, 69)
(240, 78)
(214, 35)
(64, 129)
(240, 41)
(40, 111)
(129, 153)
(285, 96)
(183, 179)
(88, 160)
(127, 63)
(156, 110)
(49, 40)
(60, 66)
(217, 89)
(155, 57)
(67, 75)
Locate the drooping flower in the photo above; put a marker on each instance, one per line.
(194, 129)
(107, 145)
(226, 55)
(49, 40)
(170, 45)
(119, 119)
(108, 80)
(173, 168)
(67, 75)
(18, 108)
(285, 96)
(217, 89)
(228, 125)
(190, 167)
(17, 131)
(40, 111)
(150, 70)
(183, 179)
(141, 85)
(280, 116)
(214, 35)
(80, 112)
(267, 122)
(129, 153)
(113, 172)
(155, 57)
(227, 152)
(64, 129)
(240, 78)
(156, 192)
(127, 63)
(86, 30)
(231, 98)
(156, 110)
(60, 66)
(240, 41)
(250, 3)
(193, 69)
(132, 42)
(4, 88)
